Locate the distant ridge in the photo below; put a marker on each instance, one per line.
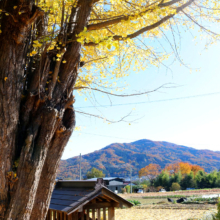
(116, 158)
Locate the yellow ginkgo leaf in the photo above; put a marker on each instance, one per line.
(109, 46)
(5, 78)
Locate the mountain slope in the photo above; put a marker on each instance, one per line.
(115, 159)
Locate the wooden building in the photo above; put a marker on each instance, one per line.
(84, 200)
(115, 184)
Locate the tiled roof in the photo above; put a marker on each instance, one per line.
(69, 196)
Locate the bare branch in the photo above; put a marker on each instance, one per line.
(100, 117)
(123, 95)
(202, 27)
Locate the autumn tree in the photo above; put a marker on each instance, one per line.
(185, 168)
(196, 168)
(95, 173)
(151, 171)
(50, 49)
(172, 168)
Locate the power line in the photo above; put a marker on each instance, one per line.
(148, 102)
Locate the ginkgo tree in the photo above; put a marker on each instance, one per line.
(51, 48)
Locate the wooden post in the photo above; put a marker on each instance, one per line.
(74, 216)
(82, 215)
(69, 217)
(61, 215)
(64, 217)
(99, 214)
(87, 214)
(93, 214)
(111, 213)
(104, 213)
(49, 215)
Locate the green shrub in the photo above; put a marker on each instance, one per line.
(128, 188)
(175, 187)
(135, 202)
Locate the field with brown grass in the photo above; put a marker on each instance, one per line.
(170, 194)
(154, 206)
(158, 214)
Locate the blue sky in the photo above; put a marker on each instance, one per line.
(193, 122)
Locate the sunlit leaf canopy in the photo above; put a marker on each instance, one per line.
(120, 34)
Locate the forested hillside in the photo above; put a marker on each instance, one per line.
(116, 158)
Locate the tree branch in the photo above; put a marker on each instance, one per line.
(100, 117)
(147, 28)
(123, 95)
(126, 18)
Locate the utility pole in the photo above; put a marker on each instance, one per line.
(131, 178)
(80, 176)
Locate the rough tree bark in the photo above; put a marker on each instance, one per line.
(36, 119)
(36, 97)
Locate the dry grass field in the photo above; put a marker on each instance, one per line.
(183, 193)
(154, 206)
(158, 214)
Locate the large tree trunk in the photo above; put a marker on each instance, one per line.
(36, 120)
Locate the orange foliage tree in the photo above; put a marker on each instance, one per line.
(196, 168)
(150, 171)
(172, 168)
(183, 167)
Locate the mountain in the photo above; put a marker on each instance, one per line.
(116, 158)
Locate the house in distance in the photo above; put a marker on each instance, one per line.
(115, 184)
(84, 200)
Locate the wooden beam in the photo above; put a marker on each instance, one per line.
(111, 213)
(110, 195)
(116, 198)
(106, 198)
(101, 205)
